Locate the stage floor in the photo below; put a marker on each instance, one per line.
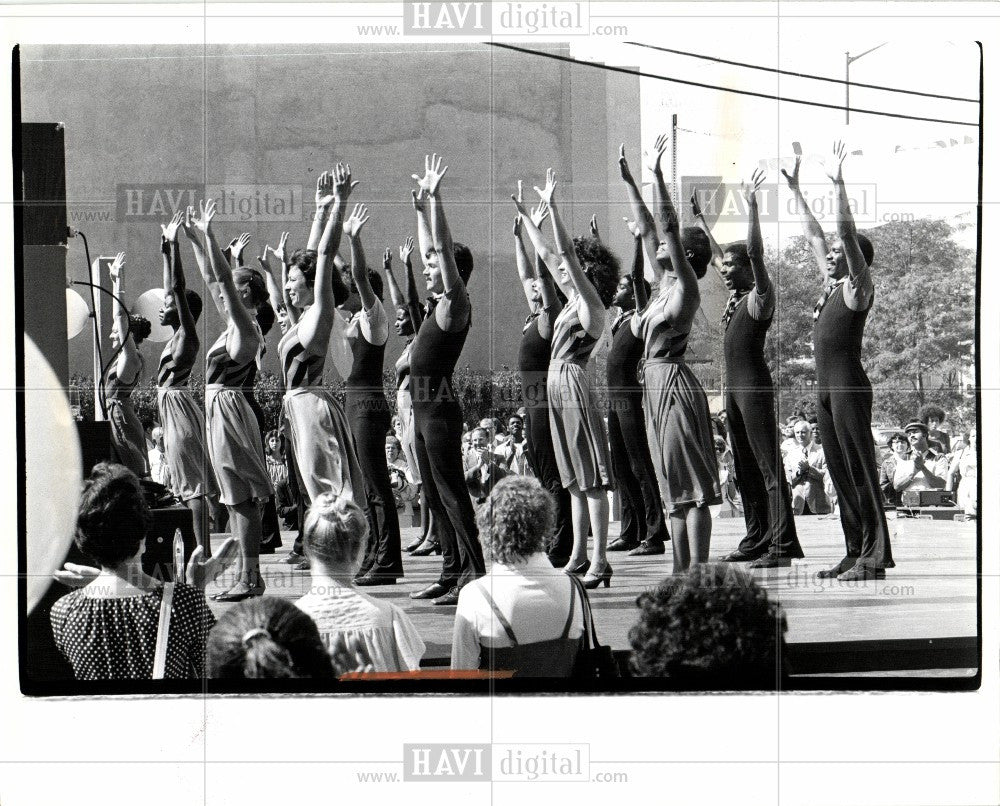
(927, 603)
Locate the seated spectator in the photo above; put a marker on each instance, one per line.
(335, 534)
(267, 638)
(404, 489)
(964, 471)
(483, 469)
(933, 417)
(513, 448)
(277, 469)
(159, 470)
(713, 627)
(109, 629)
(899, 450)
(805, 469)
(524, 615)
(925, 468)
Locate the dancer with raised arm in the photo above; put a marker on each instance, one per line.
(770, 540)
(368, 414)
(128, 439)
(844, 393)
(588, 275)
(234, 440)
(437, 413)
(676, 406)
(544, 304)
(644, 527)
(182, 418)
(312, 418)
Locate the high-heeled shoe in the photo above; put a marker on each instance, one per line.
(414, 545)
(241, 591)
(597, 576)
(426, 548)
(577, 570)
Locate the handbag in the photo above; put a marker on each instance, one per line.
(594, 661)
(163, 632)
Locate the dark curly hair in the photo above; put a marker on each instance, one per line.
(517, 519)
(266, 318)
(305, 261)
(930, 410)
(255, 280)
(463, 261)
(266, 638)
(696, 243)
(711, 628)
(867, 250)
(113, 517)
(139, 328)
(374, 278)
(600, 265)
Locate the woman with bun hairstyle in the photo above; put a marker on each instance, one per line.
(128, 439)
(334, 536)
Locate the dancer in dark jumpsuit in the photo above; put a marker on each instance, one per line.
(770, 540)
(844, 393)
(533, 365)
(644, 528)
(437, 413)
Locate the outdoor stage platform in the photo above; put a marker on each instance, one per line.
(920, 621)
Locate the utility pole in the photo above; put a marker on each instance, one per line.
(848, 58)
(673, 163)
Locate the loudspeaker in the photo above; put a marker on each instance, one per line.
(928, 498)
(158, 558)
(95, 443)
(43, 184)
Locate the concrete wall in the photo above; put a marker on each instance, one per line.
(250, 115)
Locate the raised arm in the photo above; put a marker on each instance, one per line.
(643, 218)
(412, 296)
(638, 281)
(858, 292)
(128, 364)
(699, 217)
(425, 240)
(274, 294)
(186, 344)
(755, 243)
(395, 292)
(324, 198)
(201, 258)
(283, 253)
(530, 223)
(810, 226)
(593, 314)
(359, 268)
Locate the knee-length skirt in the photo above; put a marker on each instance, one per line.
(128, 440)
(579, 435)
(184, 441)
(321, 440)
(234, 447)
(681, 437)
(404, 408)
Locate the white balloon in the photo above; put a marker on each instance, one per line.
(77, 313)
(148, 305)
(53, 472)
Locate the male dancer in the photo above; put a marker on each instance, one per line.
(844, 393)
(770, 541)
(644, 529)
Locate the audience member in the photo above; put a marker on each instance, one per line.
(483, 468)
(899, 450)
(933, 417)
(805, 469)
(404, 489)
(964, 471)
(925, 468)
(159, 470)
(513, 448)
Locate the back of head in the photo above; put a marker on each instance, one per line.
(375, 279)
(140, 328)
(713, 627)
(463, 261)
(255, 281)
(266, 638)
(929, 411)
(600, 265)
(517, 519)
(698, 249)
(867, 249)
(113, 518)
(194, 303)
(265, 318)
(334, 531)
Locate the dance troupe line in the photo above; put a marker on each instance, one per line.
(657, 448)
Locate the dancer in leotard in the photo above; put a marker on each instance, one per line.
(544, 305)
(437, 413)
(234, 441)
(677, 414)
(128, 439)
(182, 419)
(844, 393)
(588, 275)
(368, 414)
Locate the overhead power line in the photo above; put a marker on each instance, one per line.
(642, 74)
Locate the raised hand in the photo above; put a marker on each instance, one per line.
(593, 227)
(547, 193)
(207, 212)
(406, 249)
(200, 572)
(750, 190)
(170, 230)
(342, 184)
(539, 213)
(659, 147)
(517, 226)
(356, 220)
(282, 251)
(434, 172)
(834, 164)
(626, 172)
(324, 189)
(633, 227)
(188, 223)
(76, 576)
(387, 259)
(237, 245)
(115, 269)
(793, 177)
(695, 207)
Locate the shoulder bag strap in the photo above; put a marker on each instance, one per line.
(572, 610)
(163, 632)
(588, 618)
(500, 617)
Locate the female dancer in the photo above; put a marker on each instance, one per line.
(312, 418)
(579, 436)
(676, 405)
(181, 417)
(128, 440)
(409, 316)
(544, 304)
(437, 413)
(368, 414)
(234, 443)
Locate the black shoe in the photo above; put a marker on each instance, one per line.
(597, 576)
(376, 578)
(646, 548)
(449, 599)
(860, 572)
(579, 570)
(622, 545)
(414, 545)
(427, 548)
(845, 564)
(558, 562)
(771, 561)
(432, 591)
(269, 548)
(740, 557)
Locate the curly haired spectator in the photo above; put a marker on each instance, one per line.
(933, 417)
(711, 628)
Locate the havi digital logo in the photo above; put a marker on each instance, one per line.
(447, 18)
(447, 762)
